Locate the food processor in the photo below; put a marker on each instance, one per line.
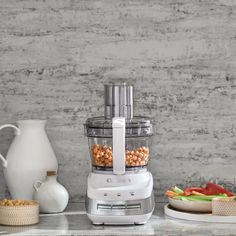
(119, 188)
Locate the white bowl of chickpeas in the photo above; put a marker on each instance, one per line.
(19, 212)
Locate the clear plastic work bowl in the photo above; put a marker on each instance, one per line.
(136, 152)
(138, 131)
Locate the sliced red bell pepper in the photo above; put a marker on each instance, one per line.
(213, 189)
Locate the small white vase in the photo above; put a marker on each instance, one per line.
(29, 157)
(52, 196)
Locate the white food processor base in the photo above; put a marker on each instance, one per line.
(120, 199)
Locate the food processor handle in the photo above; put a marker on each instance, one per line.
(118, 145)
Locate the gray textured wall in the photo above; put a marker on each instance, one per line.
(180, 55)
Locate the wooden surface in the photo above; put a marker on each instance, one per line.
(180, 56)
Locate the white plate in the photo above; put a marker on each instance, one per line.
(202, 217)
(193, 206)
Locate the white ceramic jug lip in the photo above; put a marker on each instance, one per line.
(31, 121)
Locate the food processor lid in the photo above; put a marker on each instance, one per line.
(118, 102)
(139, 126)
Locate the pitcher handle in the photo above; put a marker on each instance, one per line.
(37, 185)
(17, 132)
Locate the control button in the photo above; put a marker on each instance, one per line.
(132, 193)
(118, 194)
(108, 180)
(105, 194)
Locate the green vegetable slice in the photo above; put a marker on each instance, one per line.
(177, 190)
(207, 198)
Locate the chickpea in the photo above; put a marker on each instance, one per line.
(102, 156)
(17, 202)
(142, 163)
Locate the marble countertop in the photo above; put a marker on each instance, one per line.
(75, 222)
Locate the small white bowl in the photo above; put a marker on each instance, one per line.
(192, 206)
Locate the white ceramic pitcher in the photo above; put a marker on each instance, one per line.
(29, 157)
